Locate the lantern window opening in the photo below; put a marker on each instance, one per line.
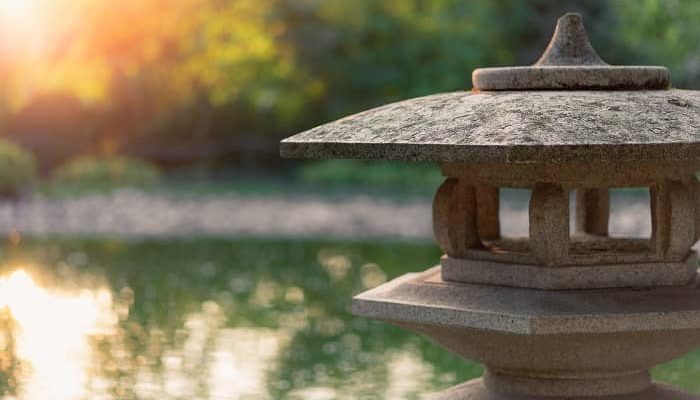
(630, 213)
(502, 225)
(512, 212)
(601, 219)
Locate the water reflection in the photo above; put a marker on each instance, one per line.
(214, 319)
(50, 335)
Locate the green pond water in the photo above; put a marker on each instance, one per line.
(217, 319)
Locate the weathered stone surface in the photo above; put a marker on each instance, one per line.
(635, 275)
(592, 211)
(567, 385)
(579, 174)
(660, 219)
(454, 217)
(534, 340)
(424, 298)
(584, 361)
(588, 258)
(682, 220)
(549, 224)
(673, 219)
(476, 390)
(570, 45)
(571, 78)
(695, 190)
(516, 127)
(570, 62)
(582, 250)
(487, 207)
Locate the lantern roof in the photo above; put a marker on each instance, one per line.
(570, 106)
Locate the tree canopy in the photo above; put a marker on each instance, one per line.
(160, 74)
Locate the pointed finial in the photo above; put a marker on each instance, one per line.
(571, 63)
(570, 45)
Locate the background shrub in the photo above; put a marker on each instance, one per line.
(378, 174)
(17, 169)
(100, 174)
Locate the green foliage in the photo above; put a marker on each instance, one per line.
(100, 174)
(664, 33)
(380, 174)
(207, 76)
(17, 169)
(369, 52)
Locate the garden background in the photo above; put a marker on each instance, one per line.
(156, 246)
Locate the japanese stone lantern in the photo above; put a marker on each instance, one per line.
(565, 313)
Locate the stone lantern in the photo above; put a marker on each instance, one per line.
(568, 312)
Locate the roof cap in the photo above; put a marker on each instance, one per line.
(570, 62)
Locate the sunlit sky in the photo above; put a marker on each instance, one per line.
(25, 26)
(36, 40)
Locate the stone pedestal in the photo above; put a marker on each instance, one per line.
(539, 344)
(563, 313)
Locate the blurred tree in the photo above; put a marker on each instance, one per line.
(192, 55)
(662, 32)
(225, 79)
(370, 52)
(161, 73)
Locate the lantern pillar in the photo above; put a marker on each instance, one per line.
(592, 211)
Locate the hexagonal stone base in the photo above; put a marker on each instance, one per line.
(595, 342)
(426, 299)
(640, 274)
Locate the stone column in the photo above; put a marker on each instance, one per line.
(695, 187)
(549, 224)
(672, 220)
(454, 217)
(592, 211)
(487, 207)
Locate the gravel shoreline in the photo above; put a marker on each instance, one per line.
(135, 214)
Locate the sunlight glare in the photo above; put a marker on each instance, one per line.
(53, 331)
(28, 28)
(16, 8)
(18, 16)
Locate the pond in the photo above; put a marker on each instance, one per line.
(217, 319)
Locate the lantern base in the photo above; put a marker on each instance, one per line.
(606, 276)
(477, 390)
(540, 344)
